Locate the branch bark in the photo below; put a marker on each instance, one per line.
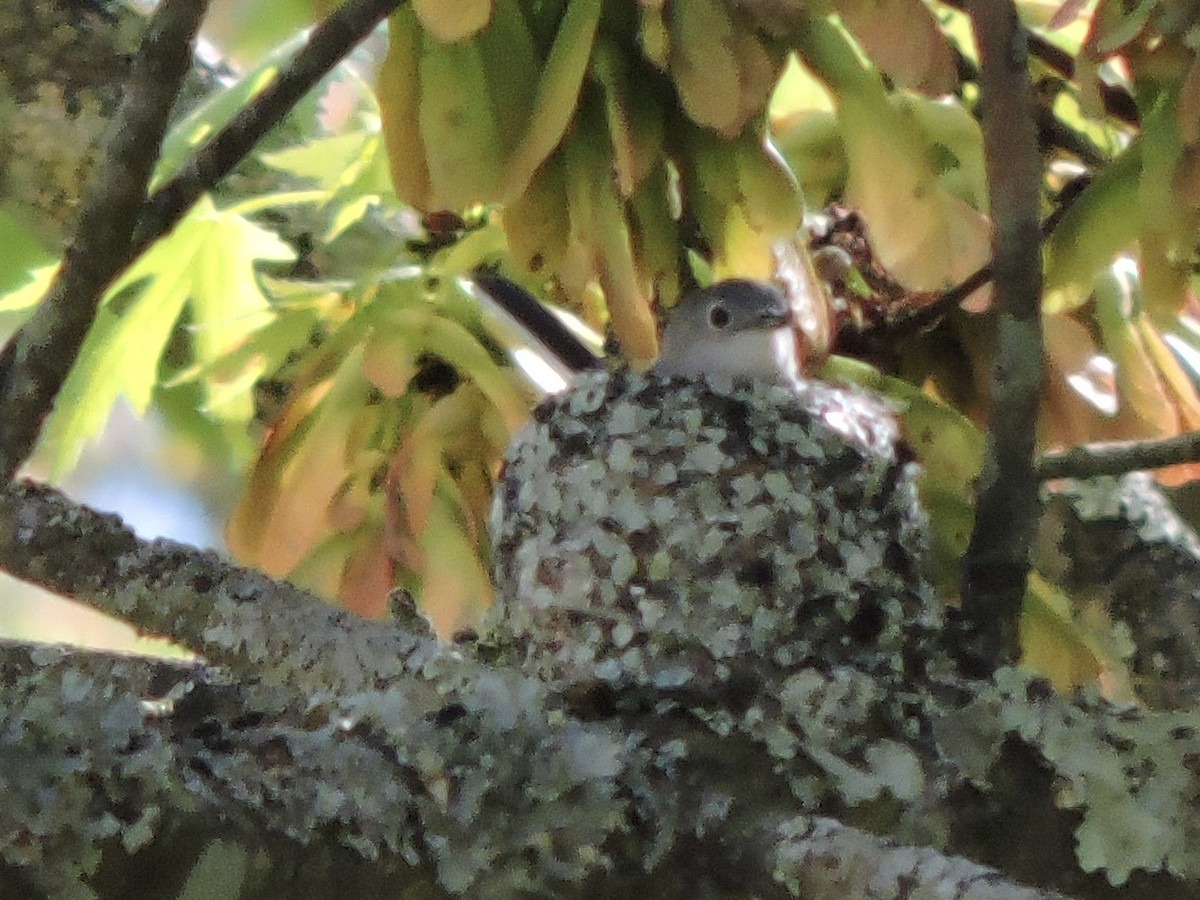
(374, 750)
(997, 559)
(1119, 457)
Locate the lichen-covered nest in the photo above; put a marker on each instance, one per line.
(673, 533)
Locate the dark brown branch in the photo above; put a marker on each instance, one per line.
(997, 560)
(1119, 457)
(36, 361)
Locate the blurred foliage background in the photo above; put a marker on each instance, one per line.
(312, 333)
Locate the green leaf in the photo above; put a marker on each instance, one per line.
(1101, 221)
(324, 160)
(216, 111)
(208, 260)
(22, 256)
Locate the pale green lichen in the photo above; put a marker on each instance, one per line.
(1131, 774)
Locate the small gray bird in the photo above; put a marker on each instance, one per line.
(748, 329)
(734, 328)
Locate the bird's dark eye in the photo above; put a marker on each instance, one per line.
(718, 316)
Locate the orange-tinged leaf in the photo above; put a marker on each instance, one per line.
(903, 39)
(368, 575)
(415, 469)
(453, 20)
(1073, 356)
(1080, 399)
(421, 458)
(388, 360)
(283, 514)
(247, 526)
(455, 589)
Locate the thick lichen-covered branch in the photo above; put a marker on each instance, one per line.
(485, 791)
(228, 614)
(652, 764)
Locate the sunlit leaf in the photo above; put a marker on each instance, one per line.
(923, 235)
(1094, 228)
(207, 260)
(325, 160)
(456, 589)
(25, 297)
(216, 110)
(903, 39)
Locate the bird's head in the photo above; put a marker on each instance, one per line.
(736, 328)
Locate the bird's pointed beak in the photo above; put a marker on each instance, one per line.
(777, 314)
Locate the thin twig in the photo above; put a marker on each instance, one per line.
(930, 314)
(1119, 457)
(35, 363)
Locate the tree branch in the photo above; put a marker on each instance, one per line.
(36, 361)
(1119, 457)
(230, 615)
(997, 560)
